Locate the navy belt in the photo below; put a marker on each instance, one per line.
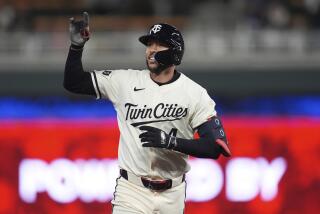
(156, 185)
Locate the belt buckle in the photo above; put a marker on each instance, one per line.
(148, 183)
(149, 186)
(157, 185)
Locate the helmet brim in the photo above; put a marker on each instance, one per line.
(146, 38)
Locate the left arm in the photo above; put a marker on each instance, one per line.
(211, 144)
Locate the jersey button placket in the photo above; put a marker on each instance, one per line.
(156, 97)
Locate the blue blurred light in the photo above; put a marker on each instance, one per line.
(277, 105)
(14, 108)
(57, 107)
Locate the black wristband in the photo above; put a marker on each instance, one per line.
(76, 47)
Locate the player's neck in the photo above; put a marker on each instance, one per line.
(164, 76)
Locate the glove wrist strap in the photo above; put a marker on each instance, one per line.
(172, 142)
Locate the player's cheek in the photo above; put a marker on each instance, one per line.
(147, 51)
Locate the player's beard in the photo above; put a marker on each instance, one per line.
(157, 69)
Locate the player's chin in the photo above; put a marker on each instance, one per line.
(152, 66)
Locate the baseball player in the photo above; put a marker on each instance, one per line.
(159, 109)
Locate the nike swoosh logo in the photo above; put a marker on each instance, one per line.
(138, 89)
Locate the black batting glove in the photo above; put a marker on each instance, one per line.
(154, 137)
(79, 30)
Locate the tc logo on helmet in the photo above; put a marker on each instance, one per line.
(156, 28)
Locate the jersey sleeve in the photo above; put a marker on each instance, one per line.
(107, 83)
(204, 109)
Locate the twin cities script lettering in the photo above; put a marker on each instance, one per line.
(162, 112)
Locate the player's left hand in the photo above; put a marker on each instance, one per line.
(79, 30)
(154, 137)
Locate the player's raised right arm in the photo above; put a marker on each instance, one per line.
(76, 80)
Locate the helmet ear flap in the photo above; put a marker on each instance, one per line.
(172, 56)
(165, 57)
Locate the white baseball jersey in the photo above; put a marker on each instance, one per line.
(177, 108)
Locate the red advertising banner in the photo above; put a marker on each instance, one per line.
(70, 166)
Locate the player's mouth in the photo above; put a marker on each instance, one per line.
(151, 59)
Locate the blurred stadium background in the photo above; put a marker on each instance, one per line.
(258, 59)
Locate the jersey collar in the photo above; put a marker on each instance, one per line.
(175, 77)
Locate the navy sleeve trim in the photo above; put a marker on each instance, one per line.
(96, 85)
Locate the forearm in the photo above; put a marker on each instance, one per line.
(76, 79)
(211, 144)
(200, 148)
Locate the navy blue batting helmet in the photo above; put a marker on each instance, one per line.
(170, 36)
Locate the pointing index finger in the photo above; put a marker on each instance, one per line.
(86, 18)
(147, 128)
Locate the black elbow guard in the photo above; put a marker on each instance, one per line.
(218, 130)
(219, 133)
